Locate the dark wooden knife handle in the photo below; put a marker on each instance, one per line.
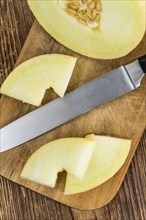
(142, 62)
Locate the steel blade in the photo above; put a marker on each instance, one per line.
(81, 100)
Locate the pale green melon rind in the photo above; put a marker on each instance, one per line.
(122, 27)
(100, 168)
(29, 81)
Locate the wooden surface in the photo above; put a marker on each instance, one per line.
(129, 202)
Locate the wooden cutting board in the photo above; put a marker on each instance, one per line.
(123, 117)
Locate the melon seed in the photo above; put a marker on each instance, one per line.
(98, 5)
(72, 6)
(81, 21)
(91, 5)
(71, 11)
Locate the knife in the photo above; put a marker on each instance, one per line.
(75, 103)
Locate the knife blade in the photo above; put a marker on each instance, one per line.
(75, 103)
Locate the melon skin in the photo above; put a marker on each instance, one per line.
(29, 81)
(70, 154)
(109, 155)
(122, 27)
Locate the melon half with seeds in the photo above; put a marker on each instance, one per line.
(103, 29)
(29, 81)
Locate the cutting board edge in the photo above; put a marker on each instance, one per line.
(107, 201)
(23, 54)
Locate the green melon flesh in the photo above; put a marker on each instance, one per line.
(70, 154)
(108, 157)
(29, 81)
(122, 27)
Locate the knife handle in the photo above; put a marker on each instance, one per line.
(142, 62)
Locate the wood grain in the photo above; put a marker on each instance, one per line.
(77, 214)
(19, 203)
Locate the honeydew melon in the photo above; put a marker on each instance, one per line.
(70, 154)
(108, 157)
(29, 81)
(111, 31)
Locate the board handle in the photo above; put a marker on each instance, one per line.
(142, 62)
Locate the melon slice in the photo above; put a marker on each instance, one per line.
(29, 81)
(99, 28)
(108, 156)
(70, 154)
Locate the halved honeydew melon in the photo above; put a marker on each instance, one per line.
(120, 29)
(29, 81)
(70, 154)
(108, 157)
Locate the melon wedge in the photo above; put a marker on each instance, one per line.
(29, 81)
(70, 154)
(121, 25)
(108, 156)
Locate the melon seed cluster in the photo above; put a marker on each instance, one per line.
(87, 12)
